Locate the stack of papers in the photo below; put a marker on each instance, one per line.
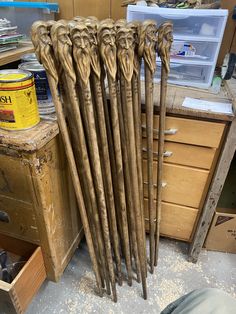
(9, 38)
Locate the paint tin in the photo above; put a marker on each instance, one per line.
(18, 102)
(41, 82)
(29, 57)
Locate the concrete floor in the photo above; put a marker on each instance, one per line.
(173, 278)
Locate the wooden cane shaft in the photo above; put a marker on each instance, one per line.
(135, 187)
(85, 173)
(129, 199)
(149, 125)
(106, 162)
(161, 140)
(75, 178)
(98, 181)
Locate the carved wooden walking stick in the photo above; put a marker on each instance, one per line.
(125, 56)
(99, 109)
(44, 52)
(81, 53)
(165, 39)
(137, 110)
(147, 50)
(106, 37)
(62, 49)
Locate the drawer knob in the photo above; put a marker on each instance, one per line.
(165, 154)
(4, 217)
(171, 131)
(164, 184)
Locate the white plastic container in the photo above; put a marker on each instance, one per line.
(199, 31)
(24, 14)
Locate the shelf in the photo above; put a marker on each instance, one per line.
(190, 38)
(188, 61)
(14, 55)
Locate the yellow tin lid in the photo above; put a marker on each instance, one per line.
(8, 76)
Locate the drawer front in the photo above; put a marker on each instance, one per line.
(185, 186)
(17, 219)
(176, 221)
(183, 154)
(189, 131)
(14, 178)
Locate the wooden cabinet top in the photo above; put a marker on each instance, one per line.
(29, 140)
(176, 95)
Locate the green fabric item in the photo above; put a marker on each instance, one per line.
(203, 301)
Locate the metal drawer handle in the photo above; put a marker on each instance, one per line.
(165, 154)
(164, 184)
(4, 217)
(171, 131)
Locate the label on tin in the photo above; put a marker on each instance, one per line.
(42, 88)
(18, 105)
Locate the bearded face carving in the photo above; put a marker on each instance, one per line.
(125, 53)
(147, 44)
(165, 39)
(43, 48)
(63, 48)
(81, 51)
(95, 60)
(106, 36)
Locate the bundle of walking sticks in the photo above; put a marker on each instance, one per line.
(93, 69)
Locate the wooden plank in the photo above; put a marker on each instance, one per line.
(14, 55)
(29, 140)
(66, 9)
(190, 131)
(29, 279)
(183, 154)
(100, 9)
(184, 185)
(21, 219)
(117, 11)
(176, 221)
(213, 196)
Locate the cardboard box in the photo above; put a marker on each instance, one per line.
(222, 233)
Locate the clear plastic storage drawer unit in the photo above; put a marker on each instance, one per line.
(197, 39)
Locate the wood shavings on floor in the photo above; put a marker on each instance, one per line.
(173, 277)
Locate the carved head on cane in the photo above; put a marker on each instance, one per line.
(165, 39)
(147, 43)
(125, 52)
(135, 27)
(92, 26)
(43, 47)
(81, 50)
(106, 41)
(63, 48)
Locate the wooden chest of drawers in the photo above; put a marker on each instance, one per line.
(191, 151)
(37, 201)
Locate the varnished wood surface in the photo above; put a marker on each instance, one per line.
(184, 185)
(14, 55)
(184, 154)
(176, 222)
(190, 131)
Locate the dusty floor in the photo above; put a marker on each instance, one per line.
(173, 278)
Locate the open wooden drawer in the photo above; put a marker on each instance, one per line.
(16, 296)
